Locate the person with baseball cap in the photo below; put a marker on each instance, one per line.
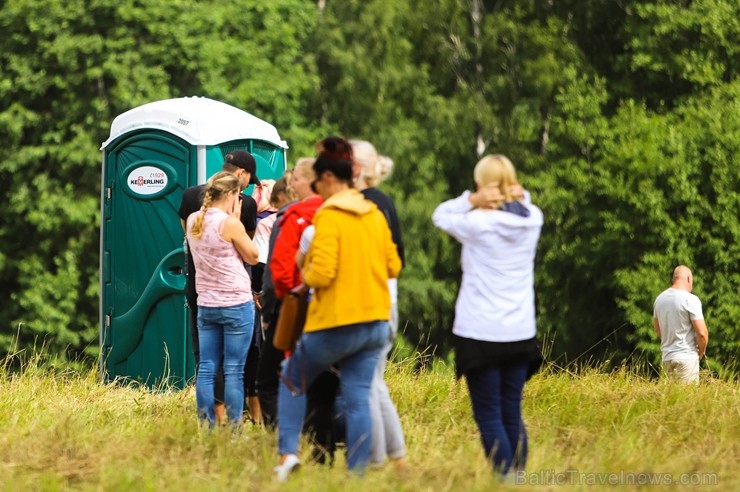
(242, 164)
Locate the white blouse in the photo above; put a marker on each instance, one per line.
(496, 298)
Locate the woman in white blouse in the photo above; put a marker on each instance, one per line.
(494, 328)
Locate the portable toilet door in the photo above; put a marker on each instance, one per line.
(154, 152)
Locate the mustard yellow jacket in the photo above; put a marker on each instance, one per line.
(350, 260)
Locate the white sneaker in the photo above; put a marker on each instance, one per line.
(291, 464)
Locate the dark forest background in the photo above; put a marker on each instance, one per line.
(622, 117)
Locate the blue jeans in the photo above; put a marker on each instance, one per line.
(496, 394)
(225, 334)
(355, 350)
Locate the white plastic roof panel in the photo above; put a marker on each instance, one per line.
(197, 120)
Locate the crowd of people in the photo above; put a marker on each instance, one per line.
(326, 227)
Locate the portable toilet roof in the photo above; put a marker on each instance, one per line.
(197, 120)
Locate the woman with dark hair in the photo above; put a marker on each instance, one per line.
(347, 322)
(219, 244)
(494, 329)
(284, 276)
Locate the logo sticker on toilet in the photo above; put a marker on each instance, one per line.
(147, 180)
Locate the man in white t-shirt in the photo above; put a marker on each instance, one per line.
(679, 322)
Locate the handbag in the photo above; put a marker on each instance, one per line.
(291, 319)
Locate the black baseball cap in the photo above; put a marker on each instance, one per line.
(244, 160)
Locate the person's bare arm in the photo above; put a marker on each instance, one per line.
(300, 257)
(702, 335)
(235, 233)
(656, 326)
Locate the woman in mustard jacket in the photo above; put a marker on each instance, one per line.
(351, 258)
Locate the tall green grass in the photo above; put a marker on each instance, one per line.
(64, 430)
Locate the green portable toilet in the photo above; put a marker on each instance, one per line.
(153, 153)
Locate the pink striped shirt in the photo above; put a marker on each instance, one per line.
(220, 277)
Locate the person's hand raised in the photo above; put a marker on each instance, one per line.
(236, 206)
(517, 191)
(488, 196)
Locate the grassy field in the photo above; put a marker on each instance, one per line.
(63, 430)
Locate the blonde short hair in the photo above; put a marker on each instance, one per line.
(375, 167)
(304, 167)
(496, 168)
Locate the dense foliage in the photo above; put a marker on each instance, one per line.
(623, 119)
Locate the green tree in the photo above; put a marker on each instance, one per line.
(677, 49)
(692, 192)
(64, 76)
(620, 116)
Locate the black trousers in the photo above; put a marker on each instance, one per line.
(251, 368)
(320, 424)
(268, 375)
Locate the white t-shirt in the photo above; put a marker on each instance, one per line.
(306, 239)
(674, 309)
